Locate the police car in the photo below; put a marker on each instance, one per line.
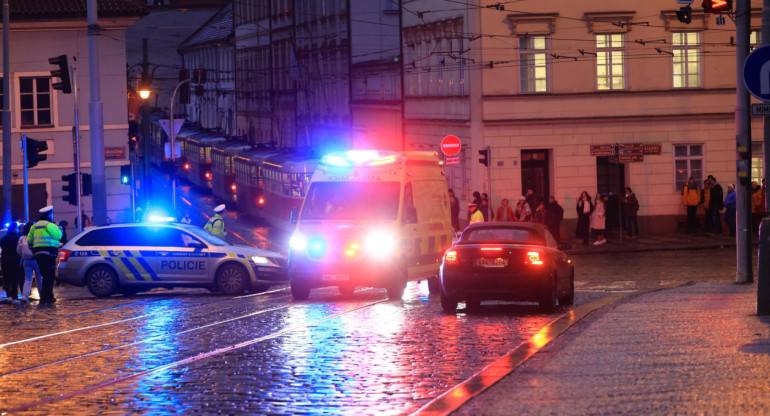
(130, 258)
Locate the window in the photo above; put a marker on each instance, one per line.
(610, 62)
(757, 162)
(35, 99)
(533, 71)
(688, 161)
(755, 40)
(686, 49)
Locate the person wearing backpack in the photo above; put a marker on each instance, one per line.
(29, 263)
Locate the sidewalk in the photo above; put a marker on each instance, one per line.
(694, 349)
(675, 241)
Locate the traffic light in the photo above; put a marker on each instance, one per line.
(70, 188)
(63, 73)
(85, 184)
(199, 76)
(34, 150)
(484, 159)
(717, 6)
(684, 14)
(184, 89)
(125, 174)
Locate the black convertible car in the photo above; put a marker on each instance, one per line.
(514, 261)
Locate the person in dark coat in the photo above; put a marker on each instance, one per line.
(11, 263)
(454, 209)
(630, 213)
(716, 204)
(554, 213)
(584, 209)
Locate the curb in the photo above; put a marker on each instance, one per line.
(652, 249)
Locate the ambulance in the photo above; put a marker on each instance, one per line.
(371, 218)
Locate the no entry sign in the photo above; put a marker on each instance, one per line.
(451, 145)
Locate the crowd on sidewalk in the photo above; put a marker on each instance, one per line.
(717, 206)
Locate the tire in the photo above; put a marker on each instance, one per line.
(102, 281)
(347, 289)
(547, 300)
(448, 304)
(299, 291)
(232, 279)
(569, 298)
(396, 287)
(434, 287)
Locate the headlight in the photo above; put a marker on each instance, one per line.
(298, 241)
(380, 244)
(260, 260)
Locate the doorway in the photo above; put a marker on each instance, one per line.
(611, 182)
(535, 173)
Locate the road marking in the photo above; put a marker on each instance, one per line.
(452, 399)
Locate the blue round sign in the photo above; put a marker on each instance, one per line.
(756, 73)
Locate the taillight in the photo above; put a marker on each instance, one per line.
(491, 249)
(450, 256)
(64, 255)
(233, 187)
(261, 201)
(208, 175)
(186, 166)
(533, 257)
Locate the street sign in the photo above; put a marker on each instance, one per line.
(652, 149)
(115, 152)
(451, 145)
(630, 158)
(603, 150)
(630, 149)
(756, 73)
(177, 150)
(758, 109)
(452, 160)
(165, 123)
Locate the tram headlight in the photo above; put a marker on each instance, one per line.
(380, 244)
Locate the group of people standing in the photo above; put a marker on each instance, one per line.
(713, 200)
(592, 216)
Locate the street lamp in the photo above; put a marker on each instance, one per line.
(144, 93)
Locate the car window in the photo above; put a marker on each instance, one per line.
(98, 237)
(550, 240)
(168, 237)
(129, 236)
(502, 235)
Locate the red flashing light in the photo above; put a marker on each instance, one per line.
(208, 175)
(450, 256)
(233, 187)
(261, 200)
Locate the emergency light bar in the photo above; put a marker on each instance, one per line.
(355, 158)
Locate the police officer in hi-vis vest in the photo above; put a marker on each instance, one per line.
(216, 224)
(44, 240)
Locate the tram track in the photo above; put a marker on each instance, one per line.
(177, 363)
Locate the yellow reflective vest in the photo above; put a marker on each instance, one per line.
(44, 234)
(216, 226)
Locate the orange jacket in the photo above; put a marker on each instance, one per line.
(509, 210)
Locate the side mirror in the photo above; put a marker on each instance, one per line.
(565, 246)
(294, 215)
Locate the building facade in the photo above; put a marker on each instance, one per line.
(552, 88)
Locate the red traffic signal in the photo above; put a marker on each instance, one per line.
(717, 6)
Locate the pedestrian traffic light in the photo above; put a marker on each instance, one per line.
(684, 14)
(85, 184)
(125, 174)
(184, 88)
(717, 6)
(63, 73)
(35, 148)
(70, 188)
(484, 159)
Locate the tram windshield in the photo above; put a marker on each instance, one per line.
(351, 201)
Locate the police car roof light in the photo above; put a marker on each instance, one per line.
(158, 218)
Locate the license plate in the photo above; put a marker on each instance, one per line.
(492, 262)
(335, 277)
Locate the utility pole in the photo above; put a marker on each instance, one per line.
(146, 169)
(763, 274)
(7, 149)
(96, 120)
(76, 148)
(744, 270)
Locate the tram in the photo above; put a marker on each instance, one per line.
(286, 179)
(197, 151)
(223, 184)
(249, 180)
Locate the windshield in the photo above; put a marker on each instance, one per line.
(205, 236)
(351, 201)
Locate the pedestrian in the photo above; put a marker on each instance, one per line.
(630, 213)
(505, 211)
(533, 199)
(584, 209)
(598, 220)
(730, 205)
(216, 225)
(485, 208)
(10, 263)
(757, 205)
(716, 203)
(474, 214)
(29, 264)
(554, 213)
(45, 236)
(705, 196)
(454, 210)
(63, 225)
(523, 211)
(539, 215)
(690, 198)
(476, 200)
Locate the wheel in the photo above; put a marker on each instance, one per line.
(434, 286)
(448, 304)
(299, 291)
(102, 281)
(569, 298)
(548, 299)
(397, 286)
(472, 305)
(347, 289)
(232, 279)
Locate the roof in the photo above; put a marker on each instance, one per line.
(217, 29)
(67, 9)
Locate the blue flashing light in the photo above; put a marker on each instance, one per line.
(336, 160)
(316, 247)
(160, 218)
(7, 224)
(353, 158)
